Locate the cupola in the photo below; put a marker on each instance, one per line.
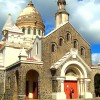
(30, 20)
(62, 15)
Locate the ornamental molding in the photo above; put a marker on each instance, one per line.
(73, 53)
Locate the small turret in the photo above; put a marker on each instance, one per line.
(8, 24)
(30, 3)
(61, 16)
(23, 55)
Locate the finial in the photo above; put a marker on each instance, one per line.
(61, 2)
(30, 3)
(9, 14)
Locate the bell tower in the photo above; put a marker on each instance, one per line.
(62, 15)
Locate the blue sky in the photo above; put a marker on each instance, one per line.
(84, 16)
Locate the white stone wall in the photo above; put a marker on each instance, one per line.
(1, 57)
(10, 56)
(15, 38)
(34, 53)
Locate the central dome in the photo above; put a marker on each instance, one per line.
(29, 10)
(30, 17)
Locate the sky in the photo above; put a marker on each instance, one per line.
(84, 16)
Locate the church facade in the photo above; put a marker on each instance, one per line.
(34, 66)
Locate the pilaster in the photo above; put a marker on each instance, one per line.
(22, 87)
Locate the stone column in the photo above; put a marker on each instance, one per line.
(84, 93)
(22, 88)
(60, 95)
(62, 84)
(81, 84)
(87, 94)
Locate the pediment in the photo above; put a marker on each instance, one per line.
(72, 55)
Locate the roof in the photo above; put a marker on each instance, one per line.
(8, 24)
(1, 45)
(61, 25)
(14, 28)
(56, 29)
(31, 59)
(29, 15)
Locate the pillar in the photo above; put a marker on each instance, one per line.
(60, 95)
(22, 88)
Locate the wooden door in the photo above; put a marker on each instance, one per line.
(68, 86)
(35, 90)
(27, 89)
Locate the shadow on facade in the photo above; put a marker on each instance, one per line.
(32, 84)
(97, 85)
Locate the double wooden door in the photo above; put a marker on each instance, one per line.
(68, 87)
(34, 87)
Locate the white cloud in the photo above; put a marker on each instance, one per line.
(85, 18)
(10, 6)
(95, 58)
(95, 26)
(84, 15)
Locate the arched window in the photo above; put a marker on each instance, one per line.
(53, 47)
(38, 31)
(17, 76)
(82, 51)
(23, 29)
(75, 45)
(12, 38)
(9, 82)
(68, 37)
(61, 41)
(60, 18)
(36, 48)
(34, 31)
(29, 30)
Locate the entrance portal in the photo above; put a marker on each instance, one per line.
(32, 85)
(71, 89)
(97, 85)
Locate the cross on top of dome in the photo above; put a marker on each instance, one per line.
(30, 3)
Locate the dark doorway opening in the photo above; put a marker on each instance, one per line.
(97, 85)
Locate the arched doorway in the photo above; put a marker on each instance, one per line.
(32, 84)
(97, 85)
(71, 83)
(75, 78)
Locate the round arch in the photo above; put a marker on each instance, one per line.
(74, 72)
(79, 67)
(32, 84)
